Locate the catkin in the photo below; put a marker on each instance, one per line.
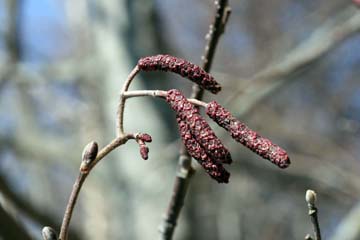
(180, 66)
(249, 138)
(199, 128)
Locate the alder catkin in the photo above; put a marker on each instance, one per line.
(213, 168)
(182, 67)
(249, 138)
(199, 128)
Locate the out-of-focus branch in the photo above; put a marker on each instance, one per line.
(36, 215)
(325, 38)
(185, 171)
(349, 227)
(10, 228)
(12, 40)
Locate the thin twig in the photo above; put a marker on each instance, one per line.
(326, 37)
(81, 178)
(310, 198)
(70, 206)
(185, 171)
(121, 107)
(144, 93)
(158, 93)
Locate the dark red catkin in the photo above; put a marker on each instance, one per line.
(182, 67)
(213, 168)
(199, 128)
(141, 138)
(249, 138)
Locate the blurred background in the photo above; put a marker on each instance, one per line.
(289, 69)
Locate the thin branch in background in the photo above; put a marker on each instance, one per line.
(12, 40)
(10, 228)
(23, 207)
(326, 37)
(310, 198)
(349, 227)
(185, 171)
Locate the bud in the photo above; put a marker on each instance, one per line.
(88, 156)
(249, 138)
(49, 234)
(144, 152)
(308, 237)
(199, 128)
(180, 66)
(213, 168)
(310, 197)
(141, 139)
(144, 137)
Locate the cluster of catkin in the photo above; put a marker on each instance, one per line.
(198, 137)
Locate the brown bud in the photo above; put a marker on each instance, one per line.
(249, 138)
(88, 156)
(182, 67)
(199, 128)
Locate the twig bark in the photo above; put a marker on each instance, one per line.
(81, 178)
(185, 171)
(121, 107)
(160, 94)
(310, 198)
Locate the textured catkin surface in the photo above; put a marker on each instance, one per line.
(213, 168)
(180, 66)
(249, 138)
(199, 128)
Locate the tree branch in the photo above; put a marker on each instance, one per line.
(325, 38)
(310, 198)
(185, 171)
(81, 178)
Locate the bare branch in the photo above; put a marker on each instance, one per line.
(121, 107)
(185, 171)
(81, 178)
(325, 38)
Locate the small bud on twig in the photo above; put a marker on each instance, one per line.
(249, 138)
(182, 67)
(89, 154)
(199, 128)
(141, 138)
(310, 197)
(49, 234)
